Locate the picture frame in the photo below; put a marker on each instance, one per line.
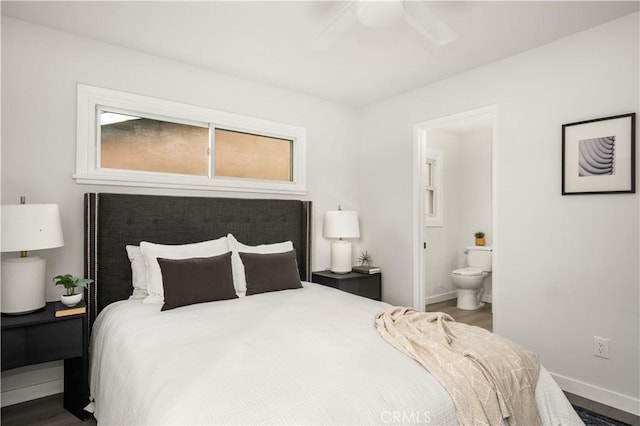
(599, 156)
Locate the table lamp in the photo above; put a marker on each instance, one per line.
(341, 224)
(27, 227)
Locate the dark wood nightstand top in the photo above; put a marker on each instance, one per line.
(348, 276)
(40, 317)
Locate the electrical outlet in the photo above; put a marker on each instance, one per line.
(601, 347)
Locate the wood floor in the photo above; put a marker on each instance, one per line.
(47, 411)
(482, 317)
(605, 410)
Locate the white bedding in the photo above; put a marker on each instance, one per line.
(305, 356)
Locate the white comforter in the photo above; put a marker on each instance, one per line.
(305, 356)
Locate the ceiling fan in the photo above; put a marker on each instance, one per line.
(382, 14)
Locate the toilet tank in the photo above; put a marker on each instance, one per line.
(479, 257)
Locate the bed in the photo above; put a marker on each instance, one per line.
(308, 355)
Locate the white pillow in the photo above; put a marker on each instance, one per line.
(151, 252)
(239, 279)
(138, 272)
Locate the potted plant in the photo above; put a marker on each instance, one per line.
(70, 283)
(480, 241)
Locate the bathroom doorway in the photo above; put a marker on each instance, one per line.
(454, 195)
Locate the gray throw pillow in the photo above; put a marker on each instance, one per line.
(270, 272)
(196, 280)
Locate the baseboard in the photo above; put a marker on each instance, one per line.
(451, 295)
(31, 382)
(598, 394)
(27, 393)
(440, 297)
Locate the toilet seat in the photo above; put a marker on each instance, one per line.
(467, 272)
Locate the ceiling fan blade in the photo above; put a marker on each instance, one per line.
(342, 22)
(418, 15)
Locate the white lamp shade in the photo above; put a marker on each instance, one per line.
(31, 227)
(341, 224)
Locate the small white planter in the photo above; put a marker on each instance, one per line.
(72, 300)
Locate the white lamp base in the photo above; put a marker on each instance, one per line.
(341, 257)
(23, 288)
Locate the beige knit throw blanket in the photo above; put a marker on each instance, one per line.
(488, 377)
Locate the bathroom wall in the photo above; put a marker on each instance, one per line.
(467, 198)
(441, 254)
(475, 183)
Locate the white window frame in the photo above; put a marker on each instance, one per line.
(436, 158)
(88, 171)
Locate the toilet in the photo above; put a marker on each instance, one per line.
(469, 280)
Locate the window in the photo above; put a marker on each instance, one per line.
(245, 155)
(126, 139)
(143, 144)
(429, 188)
(433, 188)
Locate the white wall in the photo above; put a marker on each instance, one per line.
(568, 266)
(476, 196)
(40, 71)
(442, 252)
(475, 185)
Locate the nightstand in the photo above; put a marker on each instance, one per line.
(41, 337)
(366, 285)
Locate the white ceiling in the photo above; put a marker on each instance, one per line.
(269, 41)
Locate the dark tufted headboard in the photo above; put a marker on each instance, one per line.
(114, 220)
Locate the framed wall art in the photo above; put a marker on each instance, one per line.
(598, 156)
